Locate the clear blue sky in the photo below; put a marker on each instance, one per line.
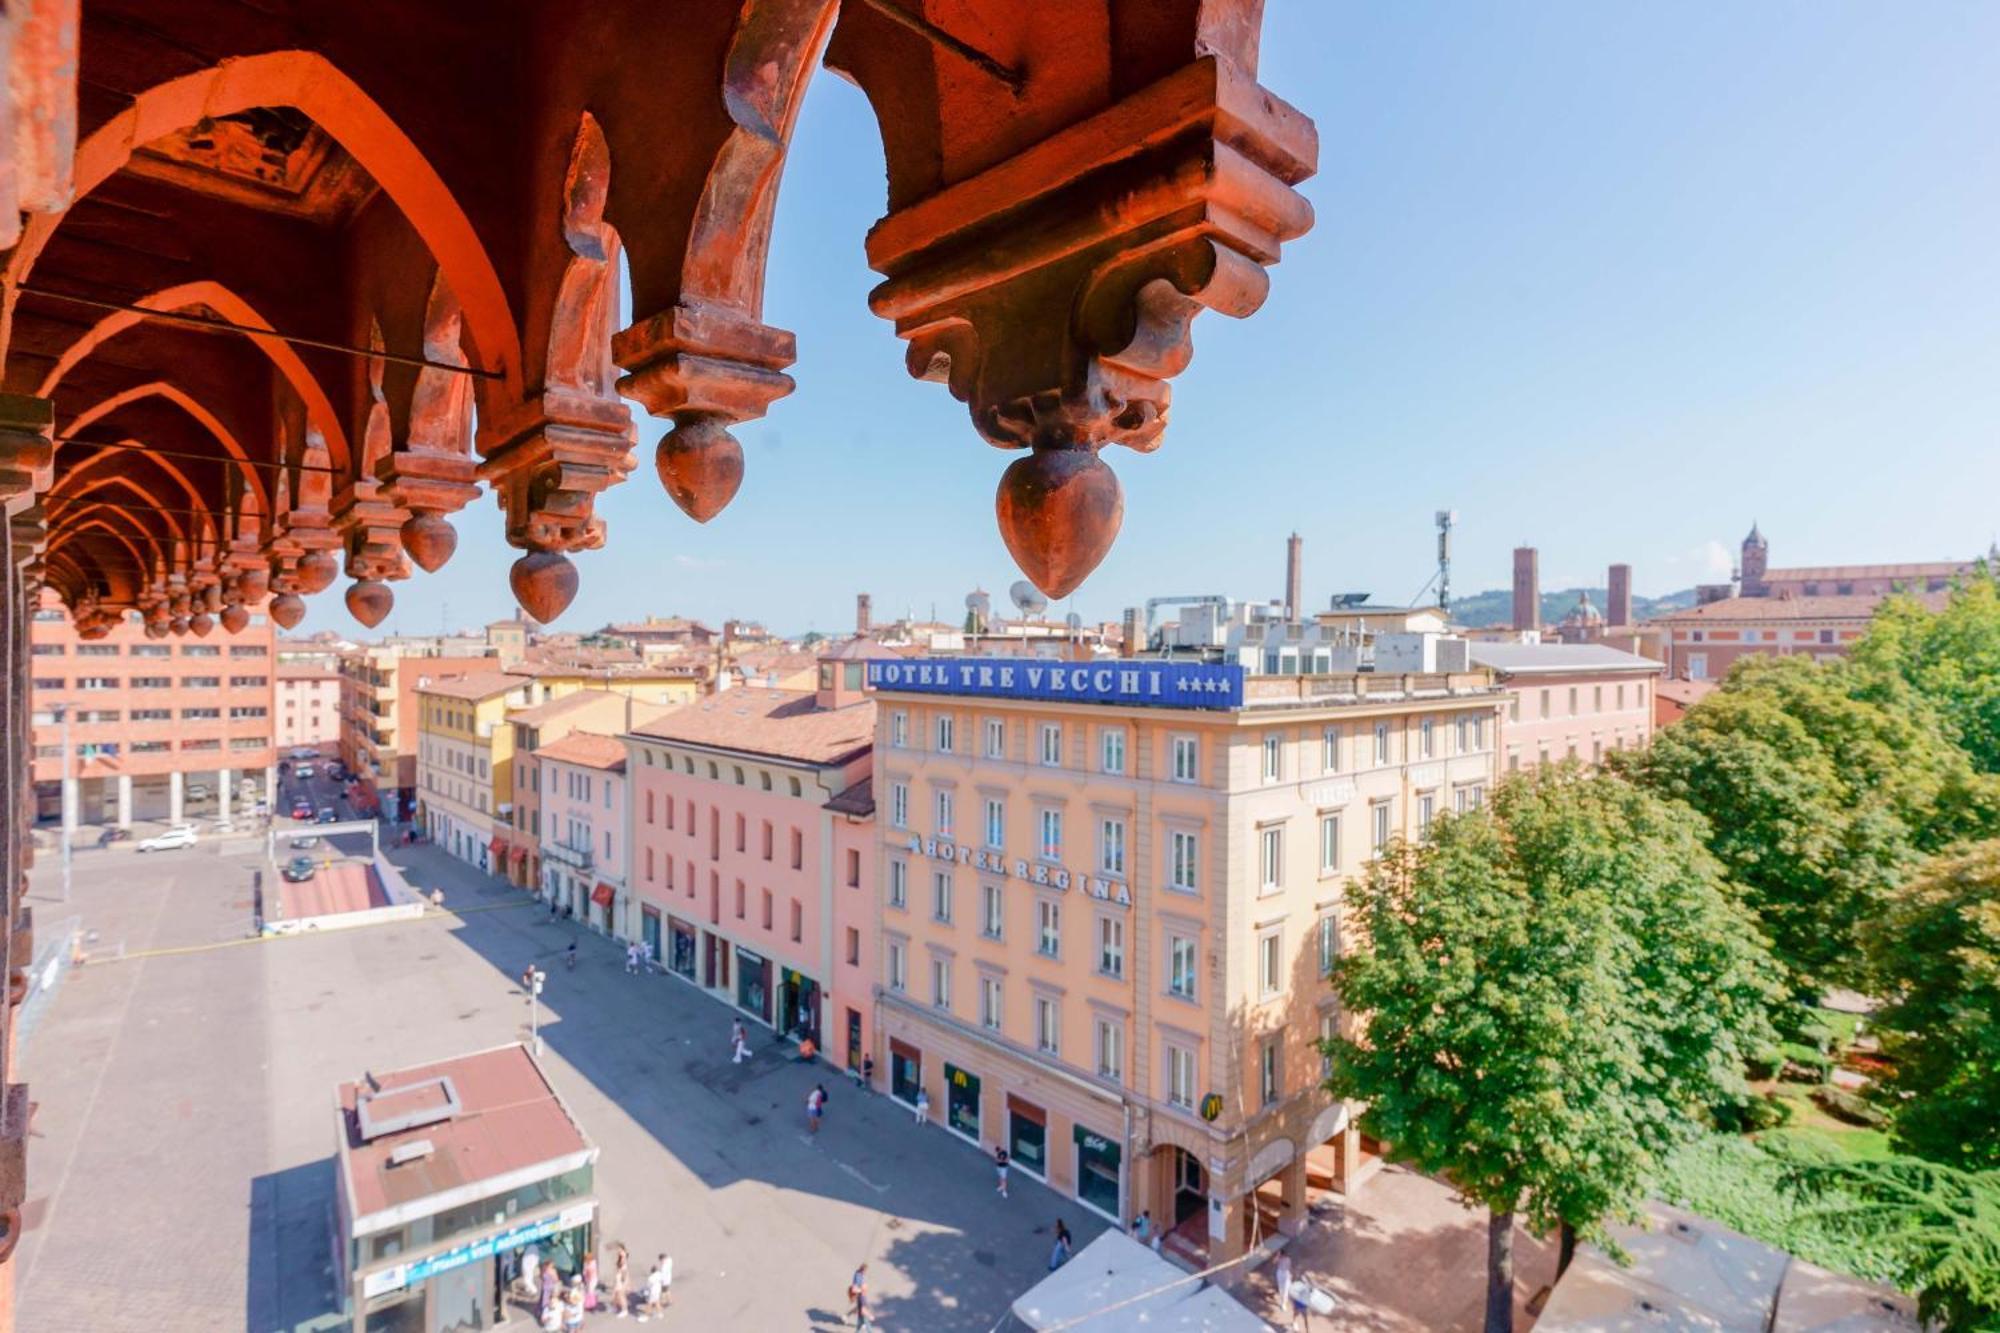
(1610, 279)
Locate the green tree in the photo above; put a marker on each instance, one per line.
(1939, 1227)
(1937, 947)
(1820, 796)
(1555, 989)
(1950, 658)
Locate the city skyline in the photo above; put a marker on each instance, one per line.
(1568, 272)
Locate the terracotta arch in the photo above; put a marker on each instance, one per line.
(76, 499)
(173, 393)
(166, 465)
(312, 84)
(319, 408)
(142, 564)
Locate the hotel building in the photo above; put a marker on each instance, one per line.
(752, 851)
(1109, 894)
(168, 729)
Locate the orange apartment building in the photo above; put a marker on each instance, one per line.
(159, 729)
(1108, 896)
(379, 720)
(308, 707)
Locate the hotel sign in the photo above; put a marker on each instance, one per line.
(1029, 872)
(1144, 684)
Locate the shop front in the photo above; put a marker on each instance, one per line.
(798, 1005)
(1028, 1136)
(906, 1071)
(603, 897)
(753, 984)
(681, 959)
(649, 932)
(961, 1102)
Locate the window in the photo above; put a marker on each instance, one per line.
(1329, 749)
(1051, 745)
(992, 911)
(1181, 861)
(1270, 964)
(899, 805)
(946, 732)
(1110, 1049)
(1381, 742)
(996, 823)
(941, 982)
(899, 977)
(1051, 849)
(1185, 759)
(1427, 739)
(1597, 698)
(1329, 844)
(989, 1002)
(1426, 807)
(1268, 1081)
(1271, 861)
(768, 833)
(944, 814)
(1048, 927)
(853, 944)
(1048, 1025)
(1180, 966)
(767, 909)
(1378, 813)
(1328, 1027)
(899, 884)
(853, 865)
(1572, 701)
(798, 922)
(1329, 942)
(742, 910)
(1113, 749)
(1111, 946)
(941, 896)
(1621, 697)
(1469, 797)
(996, 738)
(798, 850)
(202, 682)
(1273, 752)
(899, 729)
(249, 682)
(1111, 847)
(1697, 666)
(97, 650)
(1180, 1077)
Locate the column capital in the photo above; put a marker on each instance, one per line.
(27, 449)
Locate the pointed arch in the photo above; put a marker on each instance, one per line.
(160, 461)
(253, 481)
(309, 83)
(73, 498)
(219, 298)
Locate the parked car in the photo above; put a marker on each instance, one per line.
(174, 838)
(302, 809)
(305, 840)
(326, 816)
(112, 833)
(303, 773)
(298, 870)
(197, 792)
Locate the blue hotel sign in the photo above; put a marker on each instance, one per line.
(1145, 684)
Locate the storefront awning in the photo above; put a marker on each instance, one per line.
(498, 846)
(602, 894)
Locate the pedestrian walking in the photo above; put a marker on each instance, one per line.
(621, 1280)
(551, 1288)
(1142, 1226)
(1293, 1295)
(1000, 1169)
(815, 1107)
(572, 1318)
(739, 1045)
(1059, 1253)
(569, 956)
(589, 1282)
(864, 1073)
(923, 1107)
(857, 1292)
(631, 960)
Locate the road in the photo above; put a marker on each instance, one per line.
(181, 1177)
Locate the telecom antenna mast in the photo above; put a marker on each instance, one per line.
(1445, 518)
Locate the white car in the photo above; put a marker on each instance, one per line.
(171, 840)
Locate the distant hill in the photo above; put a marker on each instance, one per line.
(1497, 607)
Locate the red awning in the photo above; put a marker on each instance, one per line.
(498, 846)
(602, 894)
(521, 853)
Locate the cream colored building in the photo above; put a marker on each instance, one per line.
(1107, 897)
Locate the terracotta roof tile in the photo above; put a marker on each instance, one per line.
(785, 724)
(1757, 609)
(586, 749)
(476, 685)
(856, 800)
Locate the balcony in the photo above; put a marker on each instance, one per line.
(578, 858)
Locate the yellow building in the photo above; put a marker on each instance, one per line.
(465, 753)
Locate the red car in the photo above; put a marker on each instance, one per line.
(302, 810)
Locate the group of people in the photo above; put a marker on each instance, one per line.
(560, 1307)
(638, 958)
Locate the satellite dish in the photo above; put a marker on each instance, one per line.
(1028, 598)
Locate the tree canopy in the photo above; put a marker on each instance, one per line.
(1556, 988)
(1950, 658)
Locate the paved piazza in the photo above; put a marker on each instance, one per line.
(182, 1172)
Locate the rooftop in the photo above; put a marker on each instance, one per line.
(1925, 569)
(1757, 610)
(1524, 659)
(856, 800)
(509, 1120)
(586, 750)
(785, 724)
(536, 715)
(476, 686)
(1686, 693)
(305, 671)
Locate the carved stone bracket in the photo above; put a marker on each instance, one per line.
(548, 475)
(27, 449)
(1054, 292)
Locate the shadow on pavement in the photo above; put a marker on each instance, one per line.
(291, 1280)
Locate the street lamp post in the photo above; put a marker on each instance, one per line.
(62, 716)
(531, 981)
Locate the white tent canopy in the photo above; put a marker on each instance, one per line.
(1115, 1269)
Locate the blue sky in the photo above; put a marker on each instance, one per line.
(1610, 279)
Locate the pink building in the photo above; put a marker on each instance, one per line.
(583, 827)
(308, 707)
(751, 850)
(1569, 700)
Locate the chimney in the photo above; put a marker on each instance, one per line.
(1618, 601)
(861, 610)
(1294, 554)
(1133, 634)
(1527, 589)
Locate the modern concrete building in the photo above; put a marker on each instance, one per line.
(752, 852)
(378, 713)
(1570, 700)
(172, 728)
(1108, 896)
(308, 707)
